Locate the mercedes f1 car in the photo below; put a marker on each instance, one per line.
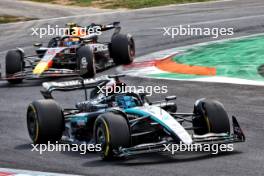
(126, 123)
(71, 55)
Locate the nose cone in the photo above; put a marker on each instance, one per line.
(41, 67)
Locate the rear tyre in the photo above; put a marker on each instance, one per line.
(122, 49)
(85, 62)
(210, 117)
(45, 121)
(14, 64)
(111, 131)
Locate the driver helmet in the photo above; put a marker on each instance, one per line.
(75, 30)
(125, 101)
(71, 41)
(70, 27)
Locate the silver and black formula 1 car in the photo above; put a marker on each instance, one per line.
(126, 123)
(71, 55)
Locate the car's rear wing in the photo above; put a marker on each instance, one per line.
(110, 26)
(49, 87)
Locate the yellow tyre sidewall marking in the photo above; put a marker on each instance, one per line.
(107, 138)
(37, 124)
(208, 124)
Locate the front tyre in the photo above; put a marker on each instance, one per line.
(112, 132)
(45, 121)
(14, 64)
(210, 117)
(122, 49)
(85, 62)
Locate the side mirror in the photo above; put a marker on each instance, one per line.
(37, 44)
(86, 41)
(170, 98)
(116, 23)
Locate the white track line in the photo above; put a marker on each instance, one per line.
(168, 52)
(18, 172)
(215, 21)
(211, 42)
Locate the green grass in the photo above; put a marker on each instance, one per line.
(135, 4)
(113, 4)
(12, 19)
(82, 2)
(241, 58)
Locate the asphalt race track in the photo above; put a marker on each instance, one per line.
(245, 102)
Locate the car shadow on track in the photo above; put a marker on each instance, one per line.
(76, 154)
(80, 154)
(23, 147)
(94, 159)
(35, 83)
(159, 158)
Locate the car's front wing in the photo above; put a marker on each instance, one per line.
(51, 73)
(210, 138)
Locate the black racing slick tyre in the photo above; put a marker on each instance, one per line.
(122, 49)
(112, 132)
(85, 62)
(210, 117)
(45, 121)
(14, 64)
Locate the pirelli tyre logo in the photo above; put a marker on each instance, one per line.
(84, 62)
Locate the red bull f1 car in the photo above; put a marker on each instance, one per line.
(126, 123)
(71, 55)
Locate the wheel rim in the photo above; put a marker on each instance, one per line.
(100, 136)
(32, 124)
(131, 48)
